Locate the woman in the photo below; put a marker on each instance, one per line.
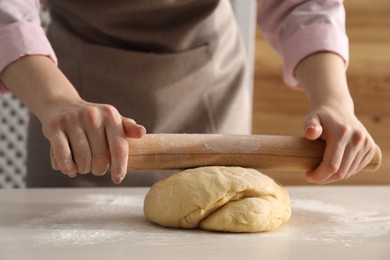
(172, 66)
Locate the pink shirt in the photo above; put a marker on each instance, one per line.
(295, 28)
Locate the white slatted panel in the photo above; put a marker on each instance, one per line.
(13, 126)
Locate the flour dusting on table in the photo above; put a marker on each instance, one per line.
(316, 205)
(350, 224)
(108, 219)
(98, 219)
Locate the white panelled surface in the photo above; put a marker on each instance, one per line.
(13, 123)
(245, 11)
(14, 116)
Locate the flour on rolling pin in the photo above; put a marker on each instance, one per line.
(263, 152)
(199, 142)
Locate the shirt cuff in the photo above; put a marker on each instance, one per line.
(20, 39)
(309, 40)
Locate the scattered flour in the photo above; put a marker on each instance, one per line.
(96, 219)
(349, 225)
(318, 206)
(104, 219)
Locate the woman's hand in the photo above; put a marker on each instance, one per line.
(349, 146)
(86, 137)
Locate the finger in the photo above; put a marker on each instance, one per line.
(332, 159)
(101, 159)
(347, 168)
(358, 147)
(118, 147)
(360, 161)
(370, 152)
(62, 154)
(99, 149)
(354, 168)
(53, 160)
(313, 128)
(80, 149)
(132, 129)
(350, 159)
(119, 150)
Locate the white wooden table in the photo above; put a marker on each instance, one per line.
(331, 222)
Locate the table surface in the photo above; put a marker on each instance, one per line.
(328, 222)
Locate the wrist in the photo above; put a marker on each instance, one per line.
(323, 78)
(41, 86)
(334, 100)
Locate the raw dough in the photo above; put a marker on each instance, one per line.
(229, 199)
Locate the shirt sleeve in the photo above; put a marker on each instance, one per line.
(21, 33)
(298, 28)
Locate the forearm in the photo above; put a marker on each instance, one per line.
(38, 83)
(322, 76)
(349, 146)
(84, 137)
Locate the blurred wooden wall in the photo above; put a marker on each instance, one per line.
(281, 110)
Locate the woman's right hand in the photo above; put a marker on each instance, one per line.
(87, 137)
(84, 137)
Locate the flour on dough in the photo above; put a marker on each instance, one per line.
(229, 199)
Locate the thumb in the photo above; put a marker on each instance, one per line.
(313, 128)
(132, 129)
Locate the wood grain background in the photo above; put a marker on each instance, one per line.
(281, 110)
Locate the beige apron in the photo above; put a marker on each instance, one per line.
(175, 66)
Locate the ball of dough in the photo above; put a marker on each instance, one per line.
(229, 199)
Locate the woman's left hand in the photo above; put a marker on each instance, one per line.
(349, 146)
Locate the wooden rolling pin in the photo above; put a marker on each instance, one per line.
(264, 152)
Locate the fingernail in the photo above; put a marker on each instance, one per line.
(53, 161)
(143, 130)
(119, 179)
(54, 164)
(310, 127)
